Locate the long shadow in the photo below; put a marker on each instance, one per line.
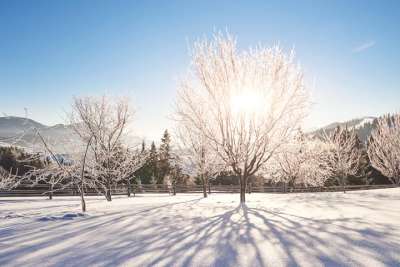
(171, 235)
(89, 223)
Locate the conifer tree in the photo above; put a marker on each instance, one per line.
(153, 162)
(164, 157)
(143, 174)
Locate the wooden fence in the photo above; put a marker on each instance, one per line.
(40, 190)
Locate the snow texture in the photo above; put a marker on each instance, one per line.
(311, 229)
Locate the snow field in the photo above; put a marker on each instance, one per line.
(360, 228)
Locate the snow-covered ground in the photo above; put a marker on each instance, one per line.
(312, 229)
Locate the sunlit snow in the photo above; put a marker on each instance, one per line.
(311, 229)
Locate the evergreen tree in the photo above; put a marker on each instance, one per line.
(17, 161)
(164, 166)
(149, 169)
(143, 146)
(153, 162)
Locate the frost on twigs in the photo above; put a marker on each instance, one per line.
(303, 161)
(198, 157)
(8, 180)
(344, 154)
(101, 123)
(384, 147)
(245, 103)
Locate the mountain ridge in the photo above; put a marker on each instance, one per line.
(363, 127)
(21, 132)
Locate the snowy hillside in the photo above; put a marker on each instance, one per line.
(311, 229)
(10, 126)
(363, 127)
(20, 132)
(364, 121)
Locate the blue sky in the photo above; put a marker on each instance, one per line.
(52, 50)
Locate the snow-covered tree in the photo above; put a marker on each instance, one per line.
(344, 154)
(246, 103)
(384, 147)
(164, 160)
(197, 155)
(302, 161)
(54, 170)
(104, 121)
(52, 175)
(8, 180)
(129, 161)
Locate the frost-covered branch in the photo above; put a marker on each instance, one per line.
(103, 120)
(198, 157)
(8, 180)
(302, 161)
(344, 154)
(384, 147)
(246, 103)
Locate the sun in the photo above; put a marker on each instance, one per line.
(246, 103)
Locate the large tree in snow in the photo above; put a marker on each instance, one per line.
(384, 147)
(246, 103)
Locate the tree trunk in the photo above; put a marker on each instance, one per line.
(174, 190)
(51, 192)
(209, 187)
(204, 189)
(83, 203)
(204, 182)
(82, 191)
(243, 183)
(108, 193)
(344, 185)
(129, 187)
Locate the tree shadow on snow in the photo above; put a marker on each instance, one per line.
(174, 235)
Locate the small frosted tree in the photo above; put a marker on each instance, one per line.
(198, 157)
(129, 162)
(344, 154)
(102, 124)
(56, 169)
(246, 103)
(384, 147)
(302, 161)
(51, 174)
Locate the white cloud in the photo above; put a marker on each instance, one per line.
(364, 46)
